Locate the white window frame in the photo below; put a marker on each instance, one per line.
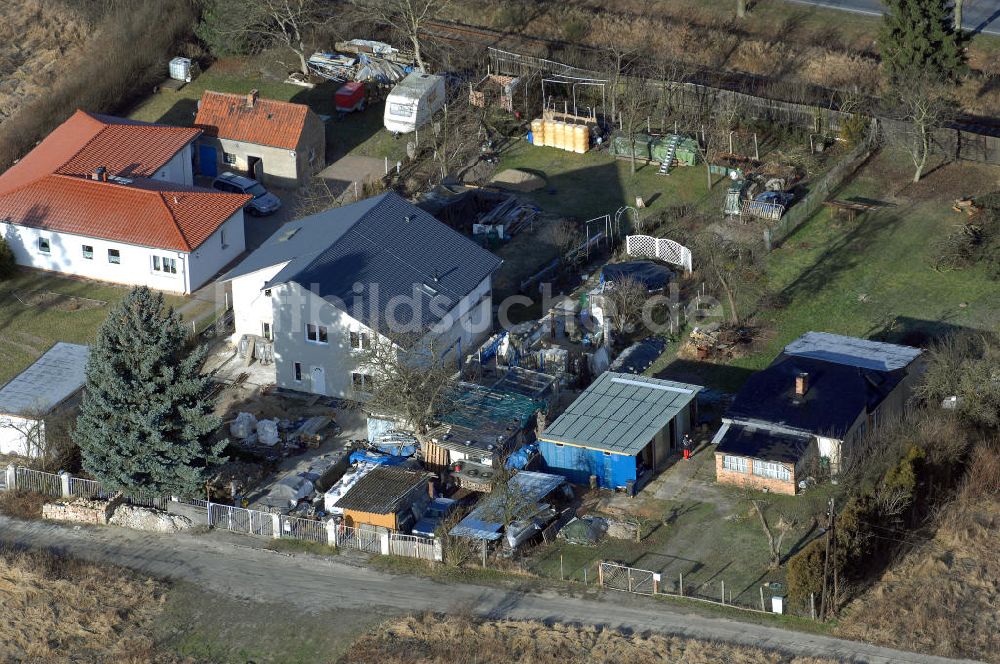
(164, 264)
(320, 334)
(360, 340)
(365, 381)
(88, 251)
(736, 464)
(266, 331)
(228, 158)
(771, 470)
(401, 110)
(116, 258)
(297, 372)
(45, 245)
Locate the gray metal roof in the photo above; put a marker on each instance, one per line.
(485, 521)
(53, 378)
(851, 351)
(387, 244)
(384, 490)
(620, 412)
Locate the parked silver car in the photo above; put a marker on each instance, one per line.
(263, 203)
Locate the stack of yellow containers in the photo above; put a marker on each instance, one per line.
(562, 135)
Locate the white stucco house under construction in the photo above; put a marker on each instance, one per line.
(114, 199)
(320, 287)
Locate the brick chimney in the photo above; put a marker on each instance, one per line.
(252, 98)
(801, 384)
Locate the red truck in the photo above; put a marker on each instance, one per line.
(350, 97)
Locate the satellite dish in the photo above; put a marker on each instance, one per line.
(733, 175)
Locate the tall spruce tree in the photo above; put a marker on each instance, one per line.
(918, 36)
(146, 418)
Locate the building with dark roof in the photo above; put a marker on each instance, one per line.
(620, 431)
(320, 288)
(388, 497)
(814, 402)
(113, 199)
(276, 142)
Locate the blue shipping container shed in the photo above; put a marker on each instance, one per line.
(621, 429)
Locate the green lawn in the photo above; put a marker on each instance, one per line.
(595, 183)
(708, 534)
(38, 309)
(359, 133)
(874, 278)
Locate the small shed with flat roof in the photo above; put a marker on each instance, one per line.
(52, 382)
(620, 431)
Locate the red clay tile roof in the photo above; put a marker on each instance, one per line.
(86, 141)
(278, 124)
(49, 188)
(146, 212)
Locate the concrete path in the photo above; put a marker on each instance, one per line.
(312, 583)
(350, 169)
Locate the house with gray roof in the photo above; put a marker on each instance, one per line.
(48, 386)
(620, 431)
(821, 395)
(321, 287)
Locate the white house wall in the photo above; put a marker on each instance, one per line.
(136, 262)
(12, 434)
(221, 248)
(294, 307)
(179, 169)
(251, 307)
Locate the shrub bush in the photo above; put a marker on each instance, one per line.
(8, 266)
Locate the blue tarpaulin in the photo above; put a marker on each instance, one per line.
(362, 456)
(520, 458)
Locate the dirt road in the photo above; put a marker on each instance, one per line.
(221, 564)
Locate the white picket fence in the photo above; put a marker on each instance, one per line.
(668, 251)
(234, 519)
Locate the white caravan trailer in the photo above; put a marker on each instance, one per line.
(413, 101)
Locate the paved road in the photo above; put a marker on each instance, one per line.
(313, 584)
(977, 15)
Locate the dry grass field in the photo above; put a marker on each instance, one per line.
(39, 41)
(57, 610)
(430, 639)
(942, 597)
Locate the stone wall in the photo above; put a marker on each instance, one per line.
(82, 510)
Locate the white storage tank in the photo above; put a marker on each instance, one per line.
(413, 101)
(180, 69)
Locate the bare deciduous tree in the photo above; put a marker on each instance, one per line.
(407, 17)
(731, 267)
(774, 530)
(284, 22)
(625, 298)
(406, 376)
(314, 197)
(45, 437)
(565, 236)
(636, 102)
(922, 108)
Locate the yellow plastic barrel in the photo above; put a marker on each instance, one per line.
(537, 132)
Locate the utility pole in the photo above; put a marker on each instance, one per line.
(833, 536)
(823, 598)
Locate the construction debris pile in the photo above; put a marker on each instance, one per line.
(712, 341)
(143, 518)
(481, 213)
(372, 61)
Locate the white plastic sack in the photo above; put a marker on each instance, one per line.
(243, 425)
(267, 432)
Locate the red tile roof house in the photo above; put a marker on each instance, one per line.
(276, 142)
(113, 199)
